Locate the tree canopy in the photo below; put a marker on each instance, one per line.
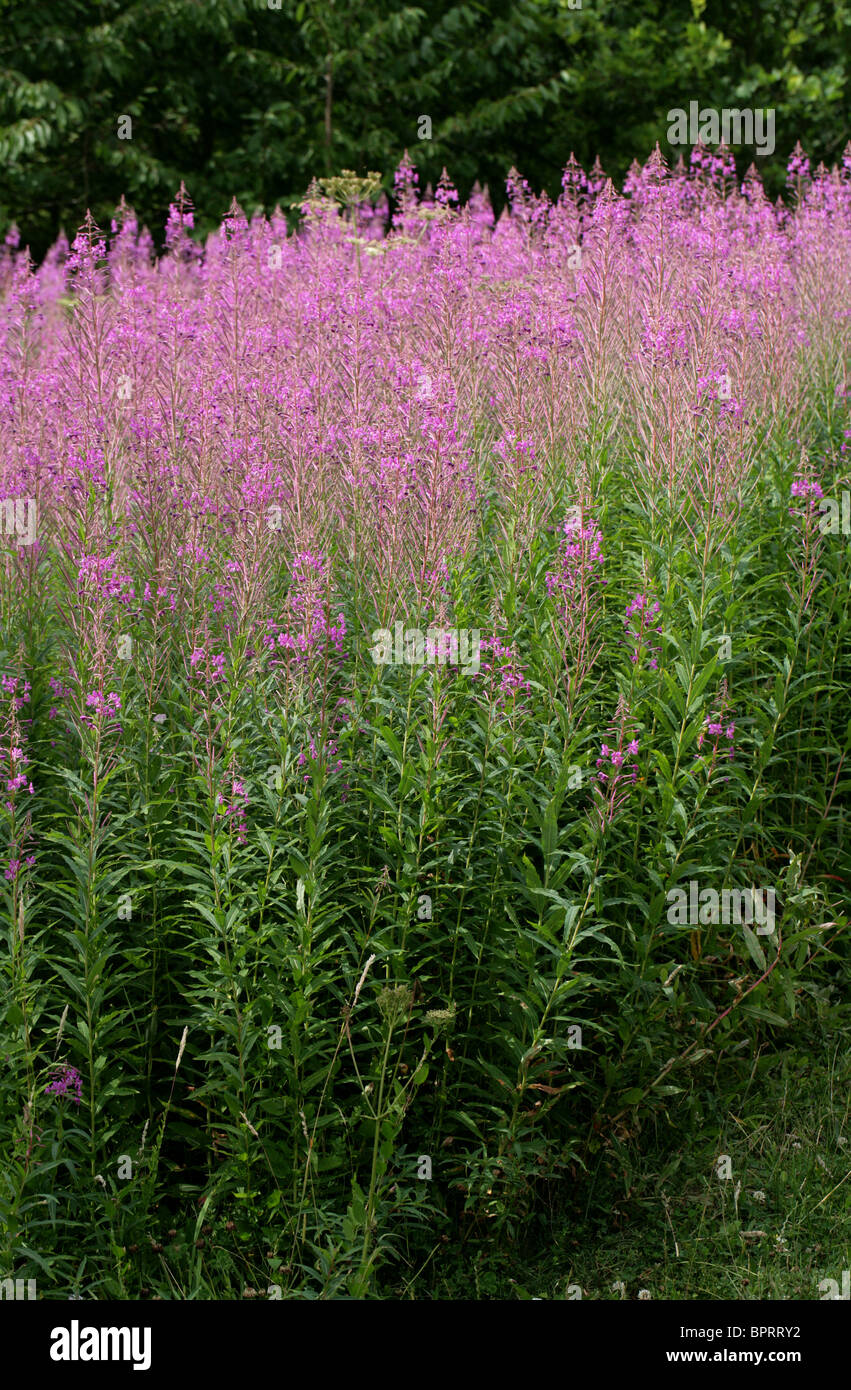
(253, 98)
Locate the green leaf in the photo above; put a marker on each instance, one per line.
(756, 952)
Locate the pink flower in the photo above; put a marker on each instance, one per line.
(637, 622)
(67, 1081)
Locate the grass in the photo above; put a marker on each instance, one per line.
(676, 1229)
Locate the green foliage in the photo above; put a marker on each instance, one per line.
(306, 1034)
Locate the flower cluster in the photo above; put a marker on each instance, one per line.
(717, 166)
(66, 1082)
(15, 866)
(666, 340)
(518, 454)
(719, 727)
(104, 706)
(580, 559)
(16, 778)
(715, 729)
(574, 586)
(798, 166)
(214, 665)
(637, 622)
(60, 691)
(616, 777)
(234, 807)
(19, 778)
(806, 487)
(161, 593)
(807, 494)
(313, 753)
(302, 644)
(97, 576)
(311, 630)
(616, 757)
(19, 690)
(506, 679)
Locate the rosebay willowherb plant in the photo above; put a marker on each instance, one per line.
(311, 962)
